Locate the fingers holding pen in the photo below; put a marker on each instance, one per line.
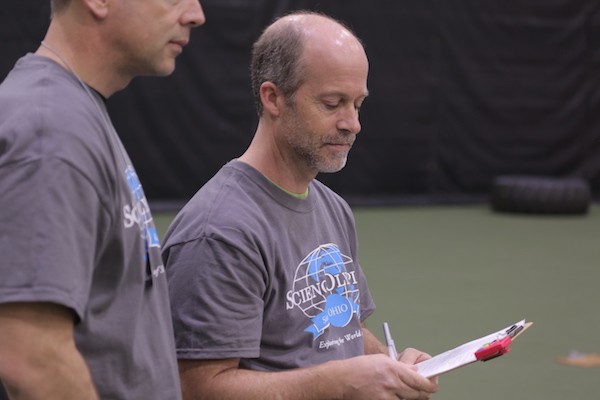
(412, 385)
(412, 356)
(380, 377)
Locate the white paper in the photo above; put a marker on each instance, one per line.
(461, 355)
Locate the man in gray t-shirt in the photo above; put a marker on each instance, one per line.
(84, 309)
(287, 266)
(267, 293)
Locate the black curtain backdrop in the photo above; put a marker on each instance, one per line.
(462, 91)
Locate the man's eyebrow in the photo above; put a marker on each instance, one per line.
(336, 93)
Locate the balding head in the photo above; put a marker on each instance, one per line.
(284, 52)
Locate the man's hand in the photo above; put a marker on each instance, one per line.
(379, 377)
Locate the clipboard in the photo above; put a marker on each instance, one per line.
(483, 349)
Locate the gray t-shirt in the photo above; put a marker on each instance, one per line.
(257, 274)
(76, 230)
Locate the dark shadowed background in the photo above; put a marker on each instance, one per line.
(461, 92)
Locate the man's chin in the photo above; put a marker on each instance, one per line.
(168, 69)
(164, 69)
(331, 168)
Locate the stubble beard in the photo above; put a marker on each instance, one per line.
(300, 139)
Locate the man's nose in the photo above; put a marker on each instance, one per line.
(194, 15)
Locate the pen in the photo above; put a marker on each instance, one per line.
(389, 342)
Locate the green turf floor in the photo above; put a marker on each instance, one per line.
(443, 275)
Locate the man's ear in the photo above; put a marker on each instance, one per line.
(272, 98)
(98, 7)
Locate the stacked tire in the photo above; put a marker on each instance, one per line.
(540, 195)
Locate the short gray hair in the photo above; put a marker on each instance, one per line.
(276, 58)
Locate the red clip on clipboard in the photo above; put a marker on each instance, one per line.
(483, 349)
(494, 349)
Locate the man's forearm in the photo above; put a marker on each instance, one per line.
(371, 343)
(38, 356)
(311, 383)
(363, 377)
(58, 379)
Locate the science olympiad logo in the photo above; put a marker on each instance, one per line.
(325, 290)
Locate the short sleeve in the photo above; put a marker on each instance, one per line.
(49, 220)
(216, 300)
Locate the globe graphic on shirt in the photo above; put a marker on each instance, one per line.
(324, 290)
